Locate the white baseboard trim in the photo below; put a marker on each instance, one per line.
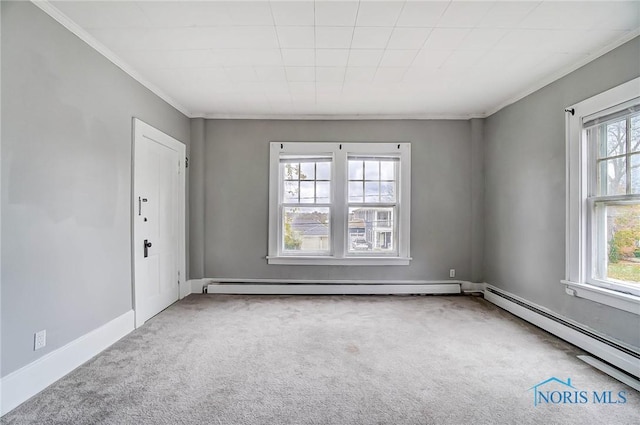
(197, 285)
(24, 383)
(611, 371)
(598, 345)
(471, 287)
(329, 287)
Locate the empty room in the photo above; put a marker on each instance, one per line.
(320, 212)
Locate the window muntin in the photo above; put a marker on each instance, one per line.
(614, 199)
(339, 203)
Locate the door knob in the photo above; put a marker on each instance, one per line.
(147, 245)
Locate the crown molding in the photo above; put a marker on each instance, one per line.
(83, 35)
(337, 117)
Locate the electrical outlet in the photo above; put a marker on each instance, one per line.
(452, 272)
(39, 340)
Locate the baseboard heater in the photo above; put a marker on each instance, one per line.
(330, 287)
(622, 357)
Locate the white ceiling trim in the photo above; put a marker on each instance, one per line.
(331, 117)
(69, 24)
(66, 22)
(563, 72)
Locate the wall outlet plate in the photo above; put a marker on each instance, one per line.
(452, 273)
(40, 340)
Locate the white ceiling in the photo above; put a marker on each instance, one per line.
(348, 58)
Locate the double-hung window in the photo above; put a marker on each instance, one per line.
(339, 203)
(603, 222)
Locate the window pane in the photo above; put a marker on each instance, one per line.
(307, 192)
(356, 192)
(291, 171)
(371, 230)
(355, 170)
(323, 192)
(614, 141)
(323, 171)
(635, 133)
(372, 170)
(290, 192)
(387, 170)
(635, 173)
(387, 192)
(308, 171)
(371, 191)
(622, 257)
(612, 177)
(306, 229)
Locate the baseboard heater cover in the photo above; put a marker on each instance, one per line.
(618, 355)
(280, 287)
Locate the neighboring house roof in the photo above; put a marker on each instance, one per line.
(310, 228)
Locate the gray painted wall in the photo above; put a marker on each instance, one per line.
(236, 162)
(525, 194)
(66, 183)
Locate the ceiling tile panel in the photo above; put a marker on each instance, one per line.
(296, 37)
(248, 12)
(408, 38)
(239, 74)
(422, 14)
(332, 57)
(360, 74)
(365, 57)
(398, 58)
(293, 13)
(431, 59)
(270, 73)
(445, 38)
(507, 14)
(482, 38)
(330, 74)
(390, 74)
(298, 57)
(378, 13)
(333, 37)
(371, 37)
(299, 74)
(336, 13)
(464, 14)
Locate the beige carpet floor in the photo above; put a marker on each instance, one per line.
(215, 359)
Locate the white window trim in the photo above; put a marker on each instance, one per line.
(577, 227)
(339, 253)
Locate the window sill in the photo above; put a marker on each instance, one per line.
(619, 300)
(333, 261)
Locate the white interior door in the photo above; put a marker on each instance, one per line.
(158, 219)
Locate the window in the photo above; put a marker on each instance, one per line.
(603, 222)
(339, 203)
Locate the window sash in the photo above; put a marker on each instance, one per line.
(595, 137)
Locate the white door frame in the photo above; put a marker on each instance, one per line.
(140, 130)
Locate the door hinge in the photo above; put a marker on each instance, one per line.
(178, 277)
(186, 162)
(178, 167)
